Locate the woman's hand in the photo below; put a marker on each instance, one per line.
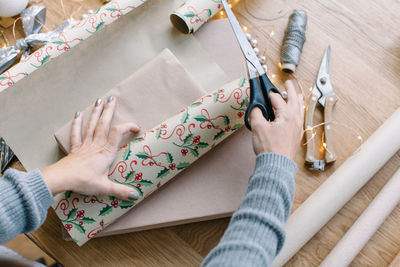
(283, 135)
(85, 170)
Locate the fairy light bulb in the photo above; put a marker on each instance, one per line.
(272, 33)
(222, 13)
(244, 28)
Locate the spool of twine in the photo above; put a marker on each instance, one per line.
(293, 41)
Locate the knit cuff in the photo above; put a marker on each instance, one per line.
(39, 188)
(273, 161)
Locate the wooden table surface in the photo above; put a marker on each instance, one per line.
(365, 68)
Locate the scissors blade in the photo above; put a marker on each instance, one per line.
(323, 83)
(247, 49)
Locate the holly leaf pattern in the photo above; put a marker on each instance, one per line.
(202, 145)
(194, 152)
(170, 158)
(142, 155)
(158, 133)
(219, 135)
(185, 116)
(79, 228)
(188, 139)
(189, 15)
(182, 165)
(242, 81)
(200, 118)
(87, 220)
(236, 126)
(129, 176)
(106, 210)
(195, 104)
(127, 153)
(145, 182)
(139, 190)
(163, 173)
(126, 204)
(227, 120)
(72, 213)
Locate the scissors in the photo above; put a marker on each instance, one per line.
(260, 84)
(322, 93)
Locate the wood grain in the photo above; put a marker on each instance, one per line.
(365, 67)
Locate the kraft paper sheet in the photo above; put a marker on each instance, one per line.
(366, 225)
(205, 191)
(151, 160)
(74, 80)
(341, 186)
(152, 94)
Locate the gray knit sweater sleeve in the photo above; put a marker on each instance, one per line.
(24, 201)
(256, 232)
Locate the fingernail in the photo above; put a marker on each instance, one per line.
(110, 99)
(77, 114)
(133, 195)
(98, 102)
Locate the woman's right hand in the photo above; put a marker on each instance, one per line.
(283, 135)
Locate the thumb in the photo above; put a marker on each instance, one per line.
(123, 192)
(257, 119)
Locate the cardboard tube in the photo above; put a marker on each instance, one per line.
(366, 225)
(340, 187)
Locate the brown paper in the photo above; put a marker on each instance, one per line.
(215, 184)
(157, 91)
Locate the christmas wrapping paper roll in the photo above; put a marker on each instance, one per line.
(69, 38)
(340, 187)
(366, 225)
(194, 13)
(154, 158)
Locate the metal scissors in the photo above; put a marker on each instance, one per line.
(322, 93)
(260, 84)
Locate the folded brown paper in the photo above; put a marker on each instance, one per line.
(212, 187)
(155, 92)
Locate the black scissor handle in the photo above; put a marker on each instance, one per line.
(259, 97)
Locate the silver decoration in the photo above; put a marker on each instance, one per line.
(284, 95)
(6, 155)
(248, 36)
(257, 51)
(33, 19)
(262, 59)
(254, 43)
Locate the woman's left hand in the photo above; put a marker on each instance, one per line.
(85, 170)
